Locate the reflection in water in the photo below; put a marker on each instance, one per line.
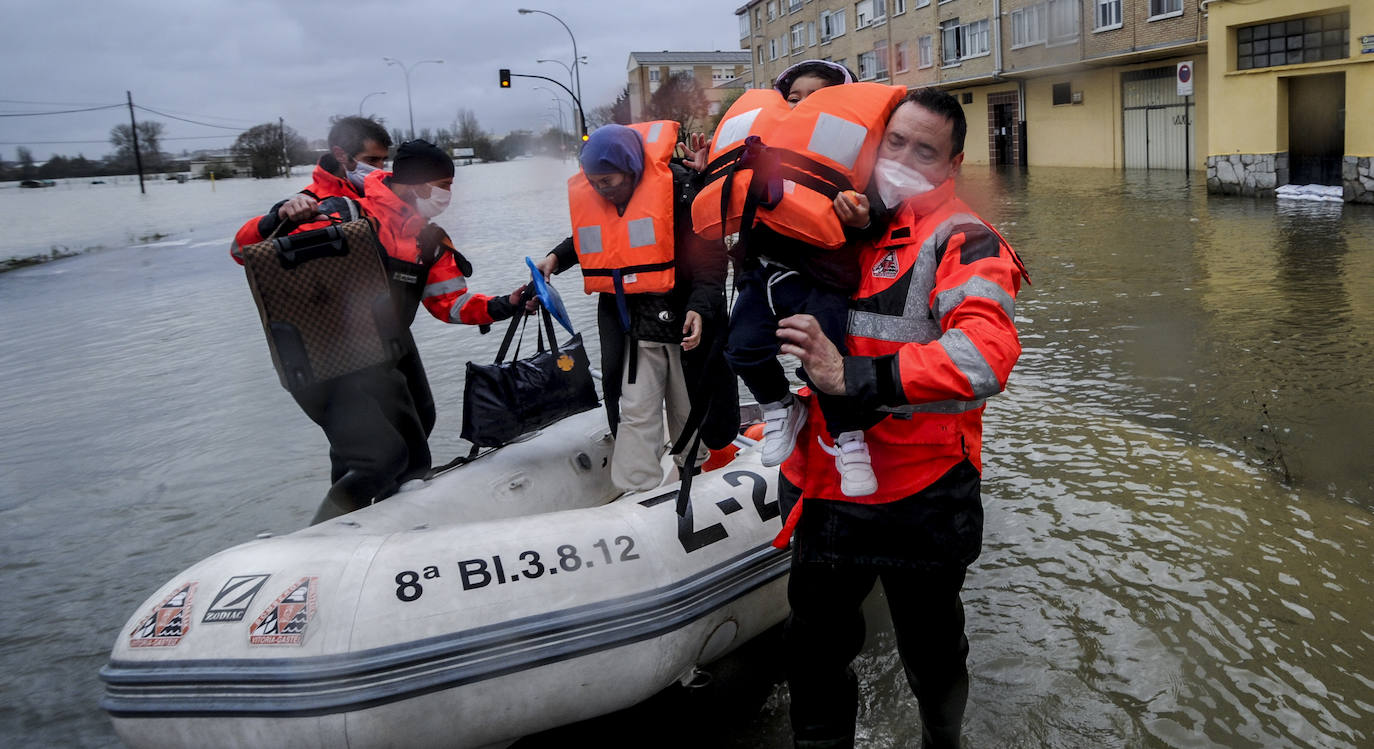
(1148, 576)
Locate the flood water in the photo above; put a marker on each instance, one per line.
(1180, 514)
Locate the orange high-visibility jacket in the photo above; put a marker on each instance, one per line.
(323, 185)
(437, 281)
(934, 319)
(783, 166)
(632, 252)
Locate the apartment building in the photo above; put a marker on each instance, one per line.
(1043, 82)
(1291, 96)
(712, 70)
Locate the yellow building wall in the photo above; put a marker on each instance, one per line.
(1249, 109)
(1087, 134)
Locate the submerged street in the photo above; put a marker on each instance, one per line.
(1179, 508)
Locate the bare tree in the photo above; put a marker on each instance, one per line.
(616, 113)
(679, 98)
(269, 148)
(149, 143)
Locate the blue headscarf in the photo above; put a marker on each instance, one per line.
(613, 148)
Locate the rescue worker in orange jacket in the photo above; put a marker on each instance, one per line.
(656, 346)
(357, 146)
(378, 420)
(931, 335)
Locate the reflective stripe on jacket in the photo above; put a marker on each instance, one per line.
(785, 165)
(421, 260)
(931, 336)
(632, 251)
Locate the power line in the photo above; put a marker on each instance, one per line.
(205, 116)
(183, 119)
(104, 140)
(60, 111)
(50, 103)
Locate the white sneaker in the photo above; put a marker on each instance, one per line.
(853, 463)
(782, 421)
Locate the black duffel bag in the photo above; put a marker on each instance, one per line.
(507, 399)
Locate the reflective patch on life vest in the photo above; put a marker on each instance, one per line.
(837, 139)
(167, 623)
(284, 622)
(588, 239)
(641, 232)
(654, 131)
(979, 287)
(887, 267)
(788, 187)
(736, 128)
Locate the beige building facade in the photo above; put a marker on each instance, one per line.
(714, 71)
(1043, 82)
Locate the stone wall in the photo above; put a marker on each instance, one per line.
(1247, 173)
(1357, 176)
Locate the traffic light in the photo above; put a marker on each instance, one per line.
(585, 136)
(505, 78)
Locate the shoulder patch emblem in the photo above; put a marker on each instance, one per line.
(887, 267)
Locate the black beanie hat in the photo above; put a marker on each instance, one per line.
(420, 161)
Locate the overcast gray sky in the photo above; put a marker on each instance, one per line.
(238, 63)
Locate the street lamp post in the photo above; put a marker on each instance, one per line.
(365, 98)
(582, 60)
(577, 72)
(406, 69)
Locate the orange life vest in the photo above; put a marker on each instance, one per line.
(784, 166)
(630, 253)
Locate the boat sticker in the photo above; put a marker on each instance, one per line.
(166, 624)
(232, 601)
(284, 622)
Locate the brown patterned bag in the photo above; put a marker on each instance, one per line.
(325, 302)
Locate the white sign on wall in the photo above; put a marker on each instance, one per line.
(1184, 77)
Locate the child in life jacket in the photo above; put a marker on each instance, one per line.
(780, 276)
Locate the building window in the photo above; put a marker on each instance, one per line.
(863, 14)
(743, 25)
(758, 18)
(1063, 94)
(1291, 42)
(798, 36)
(810, 33)
(832, 25)
(868, 64)
(879, 10)
(973, 39)
(949, 41)
(1063, 21)
(899, 55)
(761, 57)
(721, 74)
(898, 7)
(1165, 7)
(794, 5)
(653, 80)
(1107, 15)
(924, 55)
(772, 9)
(922, 3)
(772, 49)
(1028, 26)
(880, 52)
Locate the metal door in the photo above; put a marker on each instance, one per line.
(1157, 122)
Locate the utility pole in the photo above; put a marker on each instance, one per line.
(281, 140)
(133, 130)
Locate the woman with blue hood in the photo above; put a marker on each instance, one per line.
(661, 298)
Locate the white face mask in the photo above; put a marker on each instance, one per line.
(898, 182)
(359, 172)
(435, 204)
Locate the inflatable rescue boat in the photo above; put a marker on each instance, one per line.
(507, 596)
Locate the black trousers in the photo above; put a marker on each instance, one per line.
(374, 429)
(753, 345)
(826, 632)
